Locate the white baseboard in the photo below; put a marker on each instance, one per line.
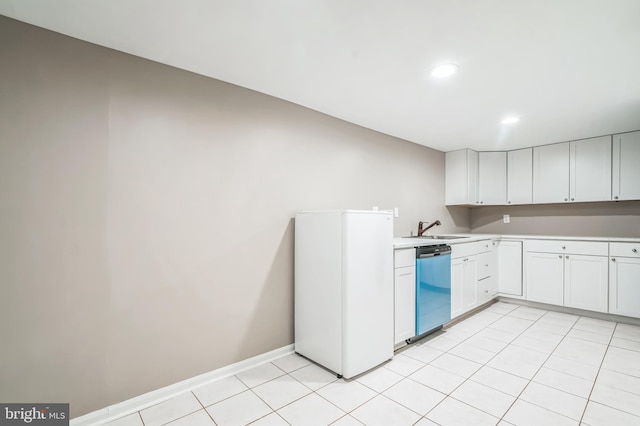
(573, 311)
(157, 396)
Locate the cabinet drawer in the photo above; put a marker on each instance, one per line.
(484, 265)
(567, 246)
(486, 289)
(625, 250)
(405, 257)
(469, 249)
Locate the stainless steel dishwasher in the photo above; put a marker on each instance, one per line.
(433, 287)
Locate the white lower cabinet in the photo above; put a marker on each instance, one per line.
(405, 303)
(590, 275)
(470, 276)
(464, 281)
(624, 279)
(404, 294)
(469, 283)
(567, 273)
(488, 273)
(545, 277)
(624, 286)
(586, 282)
(486, 290)
(510, 268)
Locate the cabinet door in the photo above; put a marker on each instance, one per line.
(626, 169)
(405, 303)
(520, 176)
(590, 169)
(470, 283)
(545, 277)
(551, 173)
(492, 178)
(461, 177)
(586, 282)
(624, 286)
(457, 274)
(510, 268)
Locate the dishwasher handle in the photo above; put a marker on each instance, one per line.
(434, 250)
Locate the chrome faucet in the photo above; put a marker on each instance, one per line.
(422, 230)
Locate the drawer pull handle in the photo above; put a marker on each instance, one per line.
(566, 257)
(634, 250)
(560, 256)
(613, 260)
(564, 247)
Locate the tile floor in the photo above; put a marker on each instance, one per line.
(506, 365)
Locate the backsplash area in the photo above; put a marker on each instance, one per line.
(606, 219)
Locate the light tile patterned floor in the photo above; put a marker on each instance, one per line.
(506, 365)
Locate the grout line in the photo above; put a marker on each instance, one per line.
(539, 368)
(423, 364)
(595, 380)
(197, 399)
(529, 380)
(537, 371)
(205, 408)
(448, 395)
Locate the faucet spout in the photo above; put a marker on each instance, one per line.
(422, 230)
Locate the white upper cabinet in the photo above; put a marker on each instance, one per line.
(596, 169)
(590, 169)
(461, 177)
(551, 173)
(626, 166)
(520, 176)
(572, 171)
(492, 178)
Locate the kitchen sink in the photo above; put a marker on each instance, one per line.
(436, 237)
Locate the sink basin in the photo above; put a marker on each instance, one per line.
(436, 237)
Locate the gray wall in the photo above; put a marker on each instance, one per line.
(146, 231)
(606, 219)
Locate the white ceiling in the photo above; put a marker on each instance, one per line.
(569, 68)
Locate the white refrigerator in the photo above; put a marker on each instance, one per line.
(344, 289)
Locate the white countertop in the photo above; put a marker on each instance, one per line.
(400, 243)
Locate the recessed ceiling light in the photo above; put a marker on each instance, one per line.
(510, 119)
(444, 70)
